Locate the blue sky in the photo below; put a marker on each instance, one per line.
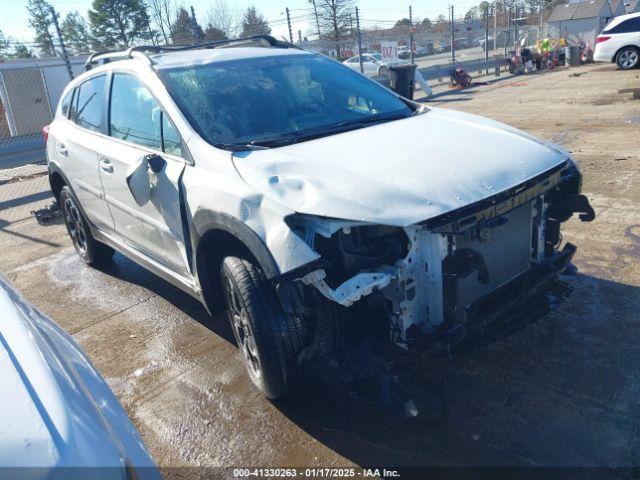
(13, 14)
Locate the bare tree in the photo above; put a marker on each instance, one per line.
(224, 18)
(162, 13)
(335, 21)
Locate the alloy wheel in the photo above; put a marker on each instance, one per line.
(628, 58)
(75, 226)
(241, 329)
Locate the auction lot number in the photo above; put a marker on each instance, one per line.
(314, 473)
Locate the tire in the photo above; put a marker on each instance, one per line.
(268, 339)
(628, 58)
(91, 251)
(383, 71)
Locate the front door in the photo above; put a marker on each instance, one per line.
(139, 127)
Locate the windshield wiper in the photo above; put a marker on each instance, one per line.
(374, 119)
(240, 147)
(345, 126)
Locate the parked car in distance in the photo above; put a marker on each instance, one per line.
(619, 42)
(404, 53)
(372, 64)
(460, 43)
(299, 194)
(56, 411)
(420, 51)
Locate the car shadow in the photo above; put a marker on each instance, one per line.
(546, 395)
(562, 392)
(128, 271)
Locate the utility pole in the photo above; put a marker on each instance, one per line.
(507, 40)
(315, 12)
(65, 57)
(413, 61)
(289, 24)
(495, 26)
(541, 21)
(453, 39)
(194, 25)
(300, 37)
(516, 39)
(486, 36)
(359, 40)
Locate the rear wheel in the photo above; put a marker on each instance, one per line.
(628, 58)
(90, 250)
(268, 339)
(383, 71)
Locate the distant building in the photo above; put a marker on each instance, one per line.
(579, 21)
(618, 7)
(632, 6)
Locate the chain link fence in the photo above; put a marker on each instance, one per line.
(29, 92)
(438, 44)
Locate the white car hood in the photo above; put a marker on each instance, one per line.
(402, 172)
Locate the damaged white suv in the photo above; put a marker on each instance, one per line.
(301, 194)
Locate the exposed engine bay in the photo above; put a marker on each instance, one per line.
(438, 281)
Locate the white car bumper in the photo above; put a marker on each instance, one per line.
(603, 54)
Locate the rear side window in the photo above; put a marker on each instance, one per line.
(88, 106)
(628, 26)
(65, 105)
(135, 116)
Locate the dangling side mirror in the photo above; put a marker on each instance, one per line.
(138, 177)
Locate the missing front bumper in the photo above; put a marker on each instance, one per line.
(522, 301)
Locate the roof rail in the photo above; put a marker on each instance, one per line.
(143, 51)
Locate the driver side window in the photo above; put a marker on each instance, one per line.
(136, 117)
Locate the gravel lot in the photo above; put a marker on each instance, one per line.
(563, 392)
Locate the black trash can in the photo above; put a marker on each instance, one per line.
(402, 79)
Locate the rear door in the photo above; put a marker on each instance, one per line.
(138, 126)
(75, 148)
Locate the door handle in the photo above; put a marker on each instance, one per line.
(106, 165)
(62, 150)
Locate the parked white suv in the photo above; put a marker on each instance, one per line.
(304, 195)
(619, 42)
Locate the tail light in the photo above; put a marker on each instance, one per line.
(45, 133)
(602, 39)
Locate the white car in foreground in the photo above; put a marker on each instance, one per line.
(58, 418)
(302, 195)
(619, 42)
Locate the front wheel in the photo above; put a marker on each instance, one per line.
(628, 58)
(90, 250)
(269, 340)
(383, 71)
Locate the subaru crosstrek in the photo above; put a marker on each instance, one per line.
(297, 194)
